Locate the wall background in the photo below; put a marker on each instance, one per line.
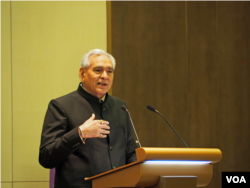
(191, 61)
(42, 45)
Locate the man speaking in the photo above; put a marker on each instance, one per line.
(86, 132)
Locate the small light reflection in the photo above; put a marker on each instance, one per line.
(176, 162)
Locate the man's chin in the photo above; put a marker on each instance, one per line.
(100, 94)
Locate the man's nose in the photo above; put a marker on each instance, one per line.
(104, 75)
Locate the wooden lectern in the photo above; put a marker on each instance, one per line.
(163, 168)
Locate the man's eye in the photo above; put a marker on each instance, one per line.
(110, 71)
(98, 70)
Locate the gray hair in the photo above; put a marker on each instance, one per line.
(85, 59)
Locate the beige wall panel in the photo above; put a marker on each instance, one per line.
(31, 185)
(6, 185)
(6, 103)
(49, 39)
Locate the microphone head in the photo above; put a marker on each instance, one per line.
(151, 108)
(124, 107)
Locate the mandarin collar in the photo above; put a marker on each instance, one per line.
(88, 96)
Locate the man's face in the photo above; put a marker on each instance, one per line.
(98, 77)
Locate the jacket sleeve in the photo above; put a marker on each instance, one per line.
(57, 143)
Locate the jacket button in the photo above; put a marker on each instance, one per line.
(110, 147)
(103, 109)
(113, 167)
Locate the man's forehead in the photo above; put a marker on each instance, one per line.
(102, 66)
(100, 61)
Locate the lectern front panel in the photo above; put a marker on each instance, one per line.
(147, 175)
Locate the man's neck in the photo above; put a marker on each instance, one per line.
(101, 100)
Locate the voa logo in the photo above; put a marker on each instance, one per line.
(236, 179)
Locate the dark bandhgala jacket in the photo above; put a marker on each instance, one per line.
(62, 148)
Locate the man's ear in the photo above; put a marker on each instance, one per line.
(81, 74)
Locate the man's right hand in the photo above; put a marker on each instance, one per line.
(95, 128)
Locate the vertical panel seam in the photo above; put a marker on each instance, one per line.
(217, 84)
(11, 82)
(217, 67)
(109, 32)
(124, 89)
(187, 66)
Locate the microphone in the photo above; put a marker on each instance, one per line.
(156, 111)
(125, 109)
